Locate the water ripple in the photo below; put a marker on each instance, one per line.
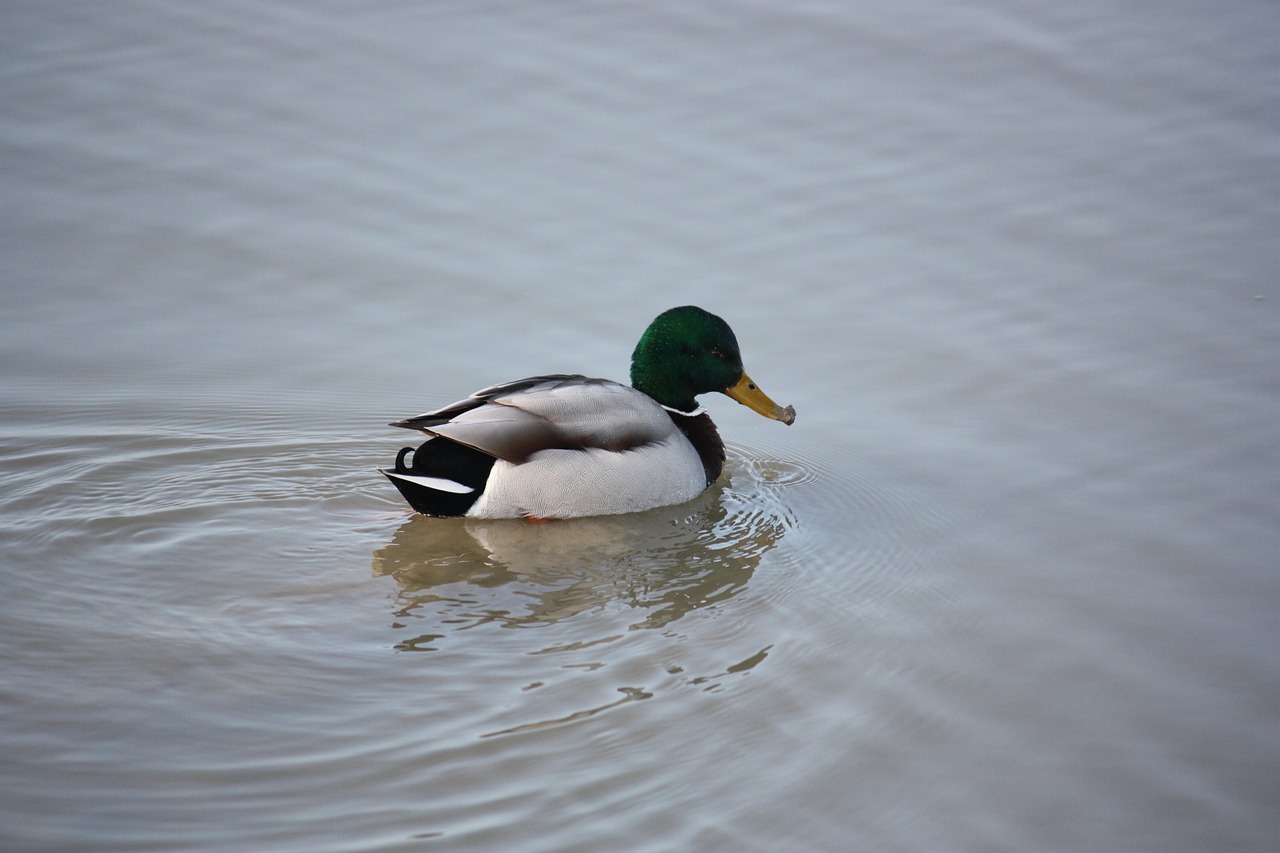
(501, 631)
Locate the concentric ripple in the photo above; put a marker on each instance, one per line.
(287, 574)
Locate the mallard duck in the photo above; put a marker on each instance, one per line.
(562, 446)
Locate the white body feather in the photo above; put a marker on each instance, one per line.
(570, 483)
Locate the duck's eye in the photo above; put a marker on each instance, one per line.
(718, 353)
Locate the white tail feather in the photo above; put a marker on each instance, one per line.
(438, 483)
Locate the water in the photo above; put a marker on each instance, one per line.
(1009, 582)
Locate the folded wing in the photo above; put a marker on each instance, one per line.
(514, 420)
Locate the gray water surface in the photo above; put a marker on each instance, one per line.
(1009, 582)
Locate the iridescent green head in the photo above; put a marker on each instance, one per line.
(687, 351)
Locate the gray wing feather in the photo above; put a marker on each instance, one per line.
(516, 419)
(502, 431)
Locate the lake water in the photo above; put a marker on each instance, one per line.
(1011, 581)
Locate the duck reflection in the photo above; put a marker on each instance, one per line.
(663, 563)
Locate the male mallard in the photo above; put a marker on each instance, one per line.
(564, 446)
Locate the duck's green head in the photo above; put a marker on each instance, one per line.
(686, 352)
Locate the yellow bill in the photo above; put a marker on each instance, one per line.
(749, 394)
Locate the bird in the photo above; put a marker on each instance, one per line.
(565, 445)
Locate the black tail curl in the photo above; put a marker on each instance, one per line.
(446, 460)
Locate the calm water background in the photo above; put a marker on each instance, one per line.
(1010, 582)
